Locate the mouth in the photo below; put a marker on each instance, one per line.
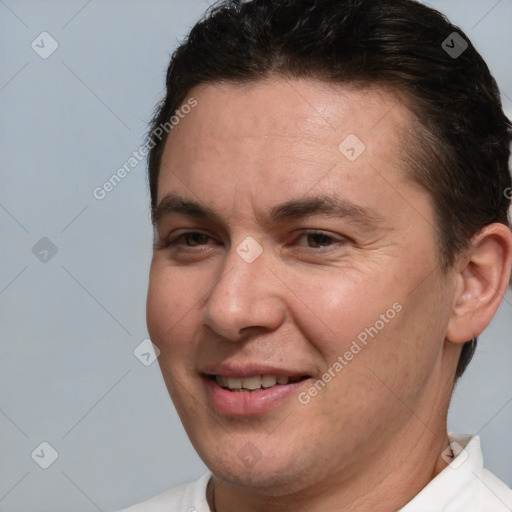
(248, 393)
(255, 383)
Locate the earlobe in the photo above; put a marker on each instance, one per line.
(481, 282)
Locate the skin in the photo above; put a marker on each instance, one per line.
(373, 437)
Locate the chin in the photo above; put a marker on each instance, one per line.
(268, 481)
(273, 472)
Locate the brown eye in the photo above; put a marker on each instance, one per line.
(194, 238)
(319, 240)
(188, 239)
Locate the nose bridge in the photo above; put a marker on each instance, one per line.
(243, 295)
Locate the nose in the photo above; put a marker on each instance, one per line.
(245, 296)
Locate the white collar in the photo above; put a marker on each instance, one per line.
(453, 486)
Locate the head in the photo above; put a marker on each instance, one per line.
(401, 150)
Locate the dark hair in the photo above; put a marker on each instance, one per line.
(461, 138)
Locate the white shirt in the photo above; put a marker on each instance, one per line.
(463, 486)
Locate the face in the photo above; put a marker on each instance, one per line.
(295, 293)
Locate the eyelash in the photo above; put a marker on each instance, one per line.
(173, 242)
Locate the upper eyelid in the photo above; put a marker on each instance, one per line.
(300, 233)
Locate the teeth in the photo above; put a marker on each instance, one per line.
(253, 383)
(235, 384)
(267, 381)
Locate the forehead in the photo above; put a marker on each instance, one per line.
(268, 139)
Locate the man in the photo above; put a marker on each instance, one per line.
(329, 193)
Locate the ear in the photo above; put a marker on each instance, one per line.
(482, 277)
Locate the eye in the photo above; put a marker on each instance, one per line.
(318, 239)
(191, 239)
(307, 240)
(194, 238)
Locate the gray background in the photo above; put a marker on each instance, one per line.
(69, 326)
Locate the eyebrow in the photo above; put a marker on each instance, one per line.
(294, 209)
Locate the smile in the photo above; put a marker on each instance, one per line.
(254, 383)
(250, 393)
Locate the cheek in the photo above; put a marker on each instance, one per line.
(338, 311)
(171, 319)
(172, 303)
(378, 318)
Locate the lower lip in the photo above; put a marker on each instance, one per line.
(251, 403)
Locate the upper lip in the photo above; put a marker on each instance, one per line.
(240, 371)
